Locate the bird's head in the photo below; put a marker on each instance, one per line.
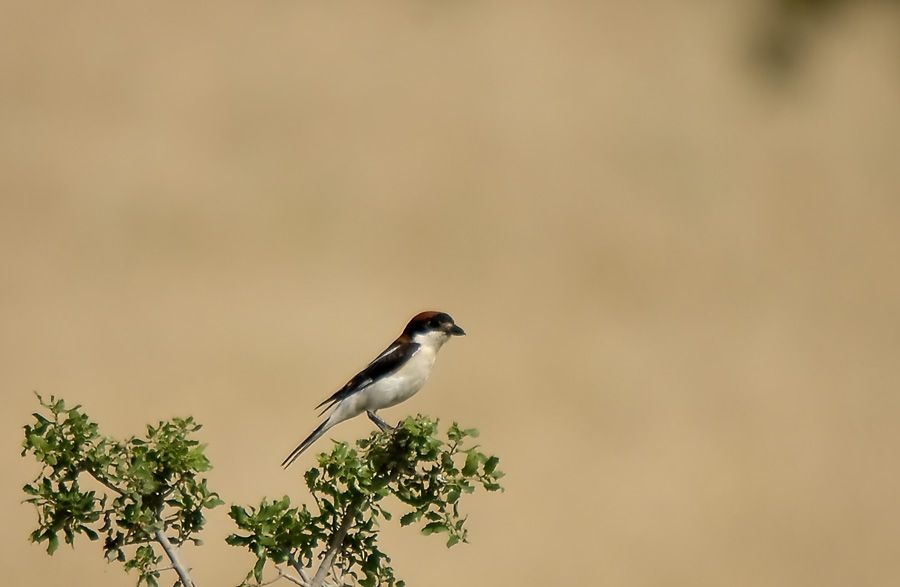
(433, 328)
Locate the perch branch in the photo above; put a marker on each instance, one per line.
(172, 553)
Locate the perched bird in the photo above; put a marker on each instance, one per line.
(394, 376)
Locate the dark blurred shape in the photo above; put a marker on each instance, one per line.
(788, 30)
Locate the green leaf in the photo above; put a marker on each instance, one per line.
(89, 533)
(471, 465)
(453, 496)
(433, 527)
(214, 502)
(490, 465)
(52, 544)
(258, 569)
(239, 515)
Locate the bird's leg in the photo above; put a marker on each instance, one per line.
(384, 426)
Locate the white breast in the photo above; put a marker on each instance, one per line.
(402, 384)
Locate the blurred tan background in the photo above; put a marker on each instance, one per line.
(680, 281)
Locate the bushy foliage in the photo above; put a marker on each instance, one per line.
(144, 485)
(426, 475)
(147, 492)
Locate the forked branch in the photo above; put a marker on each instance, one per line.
(336, 540)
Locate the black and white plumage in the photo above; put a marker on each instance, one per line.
(394, 376)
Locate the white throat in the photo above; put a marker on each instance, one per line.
(433, 339)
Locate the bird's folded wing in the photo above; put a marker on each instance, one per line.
(387, 362)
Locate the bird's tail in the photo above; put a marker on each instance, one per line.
(319, 431)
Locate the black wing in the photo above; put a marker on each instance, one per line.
(387, 362)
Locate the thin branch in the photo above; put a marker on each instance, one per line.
(299, 568)
(171, 488)
(336, 540)
(281, 575)
(295, 581)
(172, 553)
(103, 481)
(339, 575)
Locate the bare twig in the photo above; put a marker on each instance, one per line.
(103, 481)
(336, 540)
(339, 575)
(299, 568)
(172, 553)
(294, 580)
(282, 575)
(172, 488)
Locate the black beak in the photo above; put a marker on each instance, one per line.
(457, 331)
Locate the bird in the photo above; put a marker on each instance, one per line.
(392, 377)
